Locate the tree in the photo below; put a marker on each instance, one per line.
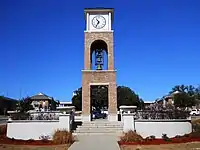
(53, 104)
(186, 96)
(77, 99)
(99, 97)
(180, 88)
(7, 104)
(126, 96)
(183, 100)
(197, 93)
(25, 105)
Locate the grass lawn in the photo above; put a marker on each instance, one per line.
(185, 146)
(24, 147)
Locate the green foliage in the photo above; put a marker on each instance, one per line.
(126, 96)
(188, 95)
(166, 138)
(7, 104)
(53, 104)
(196, 125)
(99, 97)
(24, 105)
(149, 138)
(183, 100)
(77, 99)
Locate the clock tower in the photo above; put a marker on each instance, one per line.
(98, 38)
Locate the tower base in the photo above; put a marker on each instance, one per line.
(86, 118)
(113, 117)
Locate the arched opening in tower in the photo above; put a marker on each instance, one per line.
(99, 101)
(99, 55)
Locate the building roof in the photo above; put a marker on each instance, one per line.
(148, 102)
(65, 102)
(7, 98)
(41, 96)
(94, 9)
(100, 10)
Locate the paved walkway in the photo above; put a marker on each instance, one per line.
(96, 142)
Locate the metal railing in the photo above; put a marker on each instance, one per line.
(35, 116)
(162, 114)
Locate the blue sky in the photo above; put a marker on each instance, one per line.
(157, 45)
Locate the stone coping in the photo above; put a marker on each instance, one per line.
(100, 31)
(162, 120)
(42, 112)
(98, 71)
(127, 107)
(130, 114)
(27, 121)
(97, 9)
(64, 115)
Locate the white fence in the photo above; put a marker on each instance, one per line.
(157, 127)
(36, 129)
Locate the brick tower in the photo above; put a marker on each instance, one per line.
(98, 35)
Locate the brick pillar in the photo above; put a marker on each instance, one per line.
(112, 97)
(86, 103)
(110, 52)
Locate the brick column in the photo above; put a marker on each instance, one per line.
(86, 114)
(110, 52)
(112, 102)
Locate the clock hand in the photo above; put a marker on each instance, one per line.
(97, 22)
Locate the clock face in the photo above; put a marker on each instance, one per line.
(98, 22)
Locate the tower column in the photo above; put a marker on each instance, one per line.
(112, 102)
(98, 39)
(86, 102)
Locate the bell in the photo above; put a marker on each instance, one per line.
(99, 59)
(99, 67)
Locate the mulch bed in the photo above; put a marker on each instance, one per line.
(161, 141)
(5, 140)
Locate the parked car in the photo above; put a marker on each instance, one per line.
(195, 112)
(98, 115)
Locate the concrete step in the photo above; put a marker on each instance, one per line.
(100, 126)
(98, 131)
(81, 134)
(86, 128)
(103, 122)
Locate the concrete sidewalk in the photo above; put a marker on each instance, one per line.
(96, 142)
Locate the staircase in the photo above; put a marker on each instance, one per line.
(100, 127)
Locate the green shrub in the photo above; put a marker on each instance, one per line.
(152, 137)
(165, 137)
(196, 127)
(178, 136)
(195, 134)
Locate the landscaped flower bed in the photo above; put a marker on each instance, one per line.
(132, 138)
(161, 141)
(59, 137)
(5, 140)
